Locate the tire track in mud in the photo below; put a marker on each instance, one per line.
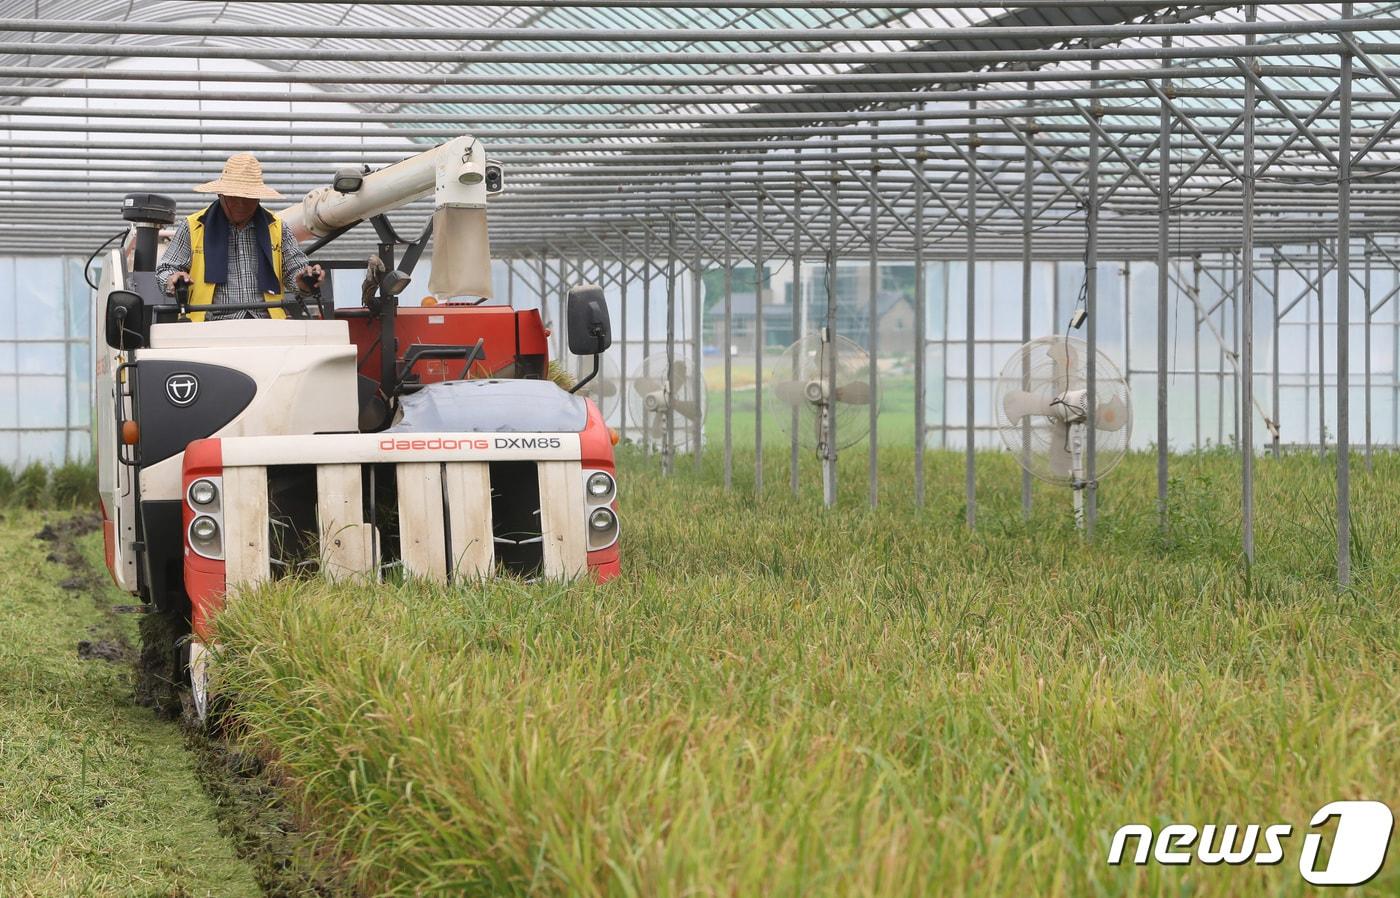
(248, 794)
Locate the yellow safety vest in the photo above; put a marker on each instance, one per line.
(201, 292)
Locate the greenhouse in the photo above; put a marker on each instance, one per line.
(906, 434)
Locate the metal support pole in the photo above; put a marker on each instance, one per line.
(1027, 220)
(1196, 340)
(1322, 353)
(1127, 272)
(828, 442)
(1274, 385)
(1344, 322)
(646, 304)
(920, 337)
(544, 287)
(697, 339)
(970, 451)
(1164, 206)
(624, 272)
(759, 277)
(1307, 359)
(799, 336)
(1244, 409)
(668, 442)
(945, 341)
(1366, 289)
(1091, 301)
(561, 320)
(873, 338)
(1226, 301)
(727, 349)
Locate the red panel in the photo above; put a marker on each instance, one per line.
(596, 454)
(205, 582)
(109, 545)
(506, 331)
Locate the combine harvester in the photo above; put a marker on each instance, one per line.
(354, 442)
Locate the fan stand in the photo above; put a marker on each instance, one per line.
(1077, 482)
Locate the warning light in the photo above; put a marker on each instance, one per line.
(614, 435)
(429, 301)
(131, 434)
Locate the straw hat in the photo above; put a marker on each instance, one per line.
(242, 177)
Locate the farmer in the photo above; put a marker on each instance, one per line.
(234, 252)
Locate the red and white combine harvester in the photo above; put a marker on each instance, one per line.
(354, 442)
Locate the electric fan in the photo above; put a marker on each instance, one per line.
(1043, 414)
(667, 402)
(797, 391)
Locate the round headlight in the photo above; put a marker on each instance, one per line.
(204, 529)
(599, 484)
(602, 519)
(202, 492)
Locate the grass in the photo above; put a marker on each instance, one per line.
(99, 798)
(68, 486)
(777, 700)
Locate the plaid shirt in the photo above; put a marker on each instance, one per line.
(242, 285)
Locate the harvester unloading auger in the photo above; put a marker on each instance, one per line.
(350, 441)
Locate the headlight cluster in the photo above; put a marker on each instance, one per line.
(601, 487)
(206, 531)
(599, 491)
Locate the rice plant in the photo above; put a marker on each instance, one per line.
(781, 699)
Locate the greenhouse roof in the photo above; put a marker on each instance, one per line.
(627, 125)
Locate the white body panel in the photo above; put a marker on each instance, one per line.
(250, 332)
(114, 482)
(398, 448)
(304, 371)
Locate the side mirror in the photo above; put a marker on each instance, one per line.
(590, 332)
(125, 320)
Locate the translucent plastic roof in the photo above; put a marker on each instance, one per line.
(621, 121)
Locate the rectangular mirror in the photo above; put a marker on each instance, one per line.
(125, 325)
(588, 327)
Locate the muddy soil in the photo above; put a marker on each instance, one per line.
(249, 796)
(106, 642)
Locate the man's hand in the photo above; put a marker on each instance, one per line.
(175, 280)
(310, 277)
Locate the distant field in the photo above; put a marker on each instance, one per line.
(778, 700)
(896, 426)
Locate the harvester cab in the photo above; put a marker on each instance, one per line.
(370, 441)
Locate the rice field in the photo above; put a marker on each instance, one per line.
(780, 700)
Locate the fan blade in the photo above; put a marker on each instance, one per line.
(1019, 403)
(1066, 361)
(678, 372)
(793, 392)
(686, 408)
(1112, 415)
(607, 389)
(857, 393)
(647, 385)
(1060, 459)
